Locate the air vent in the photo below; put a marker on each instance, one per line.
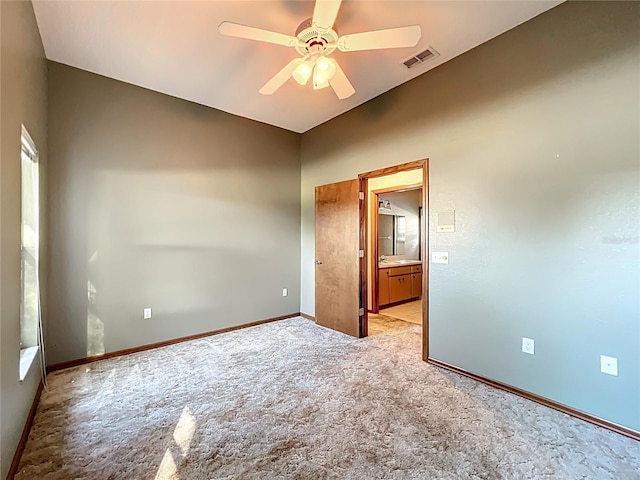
(411, 62)
(421, 57)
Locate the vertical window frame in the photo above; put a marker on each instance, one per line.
(30, 335)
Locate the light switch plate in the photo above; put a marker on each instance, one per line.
(609, 365)
(440, 257)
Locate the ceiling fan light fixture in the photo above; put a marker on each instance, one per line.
(324, 71)
(319, 82)
(327, 66)
(303, 72)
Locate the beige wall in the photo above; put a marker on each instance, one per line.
(162, 203)
(534, 139)
(23, 101)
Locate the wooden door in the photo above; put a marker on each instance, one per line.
(337, 257)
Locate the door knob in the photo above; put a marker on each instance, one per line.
(318, 262)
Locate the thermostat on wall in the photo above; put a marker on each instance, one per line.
(446, 221)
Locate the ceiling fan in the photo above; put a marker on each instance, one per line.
(315, 39)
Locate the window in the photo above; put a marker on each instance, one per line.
(30, 242)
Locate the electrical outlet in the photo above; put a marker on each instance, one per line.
(285, 292)
(528, 345)
(146, 313)
(609, 365)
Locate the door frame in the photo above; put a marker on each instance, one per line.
(364, 209)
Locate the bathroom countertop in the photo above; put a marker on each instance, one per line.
(398, 263)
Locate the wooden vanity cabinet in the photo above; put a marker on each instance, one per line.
(416, 281)
(398, 284)
(383, 286)
(399, 288)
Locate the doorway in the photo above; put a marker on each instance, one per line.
(395, 260)
(343, 281)
(395, 274)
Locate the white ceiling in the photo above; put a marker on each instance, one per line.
(174, 47)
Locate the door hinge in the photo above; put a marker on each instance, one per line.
(361, 312)
(361, 195)
(361, 253)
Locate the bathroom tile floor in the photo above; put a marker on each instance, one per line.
(409, 312)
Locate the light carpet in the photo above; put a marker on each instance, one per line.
(291, 399)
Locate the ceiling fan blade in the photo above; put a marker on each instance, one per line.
(389, 38)
(280, 78)
(341, 84)
(325, 12)
(252, 33)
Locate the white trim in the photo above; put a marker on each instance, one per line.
(28, 145)
(27, 356)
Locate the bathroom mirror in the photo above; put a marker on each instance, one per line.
(399, 215)
(392, 234)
